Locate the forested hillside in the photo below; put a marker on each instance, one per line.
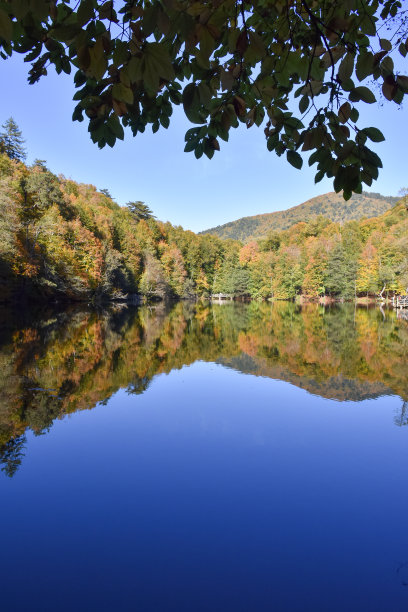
(322, 258)
(64, 240)
(330, 205)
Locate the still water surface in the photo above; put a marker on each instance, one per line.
(240, 457)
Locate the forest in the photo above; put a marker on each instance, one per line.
(330, 205)
(60, 240)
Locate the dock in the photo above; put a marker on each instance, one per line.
(221, 296)
(400, 301)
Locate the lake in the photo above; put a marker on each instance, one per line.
(243, 457)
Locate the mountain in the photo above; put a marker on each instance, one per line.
(330, 205)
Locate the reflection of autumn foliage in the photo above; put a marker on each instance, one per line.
(248, 343)
(72, 361)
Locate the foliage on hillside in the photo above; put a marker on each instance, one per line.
(321, 258)
(72, 360)
(63, 239)
(60, 239)
(330, 205)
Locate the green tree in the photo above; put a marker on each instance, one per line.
(12, 454)
(140, 211)
(271, 242)
(228, 63)
(41, 189)
(12, 141)
(288, 274)
(341, 272)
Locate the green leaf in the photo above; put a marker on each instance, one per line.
(346, 67)
(256, 48)
(303, 104)
(65, 33)
(364, 65)
(134, 69)
(165, 121)
(122, 93)
(389, 87)
(199, 151)
(338, 182)
(191, 103)
(385, 44)
(351, 178)
(120, 53)
(387, 65)
(99, 63)
(85, 12)
(190, 146)
(294, 159)
(204, 93)
(403, 83)
(344, 112)
(374, 134)
(157, 58)
(372, 158)
(294, 123)
(362, 93)
(116, 127)
(319, 176)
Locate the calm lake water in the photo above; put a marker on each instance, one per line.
(234, 457)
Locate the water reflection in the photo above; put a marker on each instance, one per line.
(69, 361)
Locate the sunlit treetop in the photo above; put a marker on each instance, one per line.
(12, 141)
(298, 68)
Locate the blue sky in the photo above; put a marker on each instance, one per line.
(242, 179)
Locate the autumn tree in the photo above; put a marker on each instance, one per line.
(41, 189)
(153, 284)
(368, 271)
(11, 140)
(228, 63)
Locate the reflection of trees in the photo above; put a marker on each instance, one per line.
(137, 387)
(401, 417)
(73, 360)
(11, 455)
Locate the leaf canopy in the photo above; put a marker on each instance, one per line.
(227, 62)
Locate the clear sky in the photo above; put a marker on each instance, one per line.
(242, 179)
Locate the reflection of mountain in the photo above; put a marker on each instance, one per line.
(69, 361)
(335, 387)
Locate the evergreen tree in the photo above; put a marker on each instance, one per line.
(140, 211)
(12, 141)
(11, 455)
